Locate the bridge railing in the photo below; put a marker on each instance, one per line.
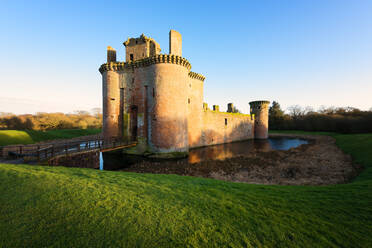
(47, 151)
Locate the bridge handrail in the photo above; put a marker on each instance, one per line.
(47, 151)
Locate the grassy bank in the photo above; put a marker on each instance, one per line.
(12, 137)
(72, 207)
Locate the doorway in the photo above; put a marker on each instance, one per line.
(133, 122)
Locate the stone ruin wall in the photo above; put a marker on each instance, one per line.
(164, 100)
(195, 109)
(140, 48)
(87, 159)
(222, 127)
(207, 127)
(176, 119)
(175, 43)
(168, 109)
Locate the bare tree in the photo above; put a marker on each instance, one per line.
(296, 111)
(327, 110)
(308, 110)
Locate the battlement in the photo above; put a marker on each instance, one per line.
(196, 76)
(259, 103)
(216, 109)
(159, 58)
(157, 100)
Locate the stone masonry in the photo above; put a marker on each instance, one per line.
(157, 100)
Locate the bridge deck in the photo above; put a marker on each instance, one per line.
(48, 151)
(118, 147)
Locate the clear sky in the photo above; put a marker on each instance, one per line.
(310, 53)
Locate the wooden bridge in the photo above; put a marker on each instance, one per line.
(44, 152)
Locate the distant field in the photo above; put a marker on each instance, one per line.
(12, 137)
(44, 206)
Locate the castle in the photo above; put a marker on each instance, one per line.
(157, 100)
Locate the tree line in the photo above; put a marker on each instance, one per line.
(328, 119)
(52, 121)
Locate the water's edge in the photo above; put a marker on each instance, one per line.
(118, 160)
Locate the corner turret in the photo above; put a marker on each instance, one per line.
(261, 124)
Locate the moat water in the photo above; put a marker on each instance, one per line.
(117, 160)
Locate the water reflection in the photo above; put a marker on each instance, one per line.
(118, 160)
(241, 148)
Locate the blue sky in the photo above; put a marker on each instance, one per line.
(309, 53)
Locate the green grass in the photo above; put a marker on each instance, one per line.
(73, 207)
(13, 137)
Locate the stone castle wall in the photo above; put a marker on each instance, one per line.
(88, 159)
(157, 101)
(222, 127)
(195, 110)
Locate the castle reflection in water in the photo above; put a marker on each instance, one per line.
(118, 160)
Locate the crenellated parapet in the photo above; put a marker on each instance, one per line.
(196, 76)
(259, 103)
(160, 58)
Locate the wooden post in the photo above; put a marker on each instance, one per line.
(66, 148)
(53, 150)
(20, 150)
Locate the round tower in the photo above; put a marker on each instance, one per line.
(261, 124)
(111, 104)
(111, 99)
(169, 113)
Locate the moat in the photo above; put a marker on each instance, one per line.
(118, 160)
(281, 159)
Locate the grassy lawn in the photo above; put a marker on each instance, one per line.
(12, 137)
(72, 207)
